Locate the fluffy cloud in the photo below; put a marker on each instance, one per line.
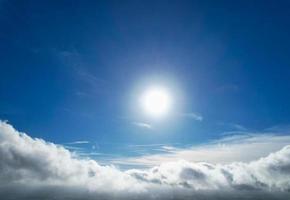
(35, 169)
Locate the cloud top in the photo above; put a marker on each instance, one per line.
(35, 169)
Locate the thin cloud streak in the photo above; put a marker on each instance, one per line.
(78, 142)
(233, 126)
(192, 115)
(234, 148)
(143, 125)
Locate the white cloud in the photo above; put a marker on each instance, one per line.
(233, 126)
(79, 142)
(35, 169)
(193, 115)
(143, 125)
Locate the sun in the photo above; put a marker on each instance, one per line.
(156, 101)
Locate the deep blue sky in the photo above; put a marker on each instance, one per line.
(69, 69)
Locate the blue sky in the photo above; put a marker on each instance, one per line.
(72, 71)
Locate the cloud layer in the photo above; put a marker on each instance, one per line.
(35, 169)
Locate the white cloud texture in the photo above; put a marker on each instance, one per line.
(35, 169)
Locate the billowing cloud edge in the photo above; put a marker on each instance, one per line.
(31, 168)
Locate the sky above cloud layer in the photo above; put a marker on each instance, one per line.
(74, 71)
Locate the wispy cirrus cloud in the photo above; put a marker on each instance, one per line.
(231, 148)
(79, 142)
(193, 115)
(35, 169)
(233, 126)
(143, 125)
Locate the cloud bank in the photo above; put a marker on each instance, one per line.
(35, 169)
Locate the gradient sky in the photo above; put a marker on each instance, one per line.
(73, 70)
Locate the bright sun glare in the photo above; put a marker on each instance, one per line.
(156, 102)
